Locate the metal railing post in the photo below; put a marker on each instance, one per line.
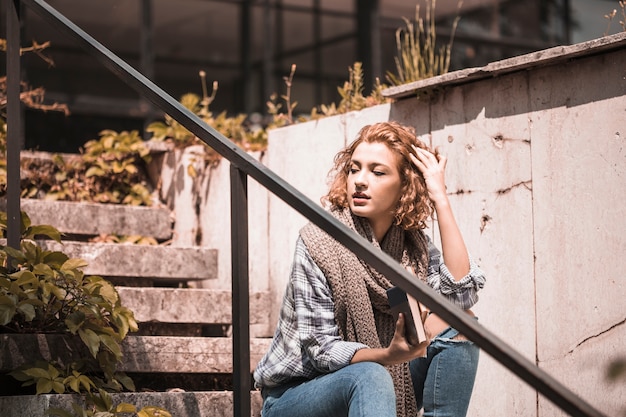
(14, 122)
(240, 292)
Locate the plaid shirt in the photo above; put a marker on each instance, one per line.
(307, 342)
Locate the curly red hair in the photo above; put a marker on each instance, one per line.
(414, 207)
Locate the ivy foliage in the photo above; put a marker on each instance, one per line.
(111, 169)
(43, 291)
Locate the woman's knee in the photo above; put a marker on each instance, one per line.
(372, 375)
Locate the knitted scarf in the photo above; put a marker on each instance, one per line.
(359, 292)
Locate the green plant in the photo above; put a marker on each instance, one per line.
(110, 170)
(134, 239)
(112, 164)
(273, 108)
(30, 97)
(236, 129)
(352, 97)
(43, 291)
(233, 128)
(417, 54)
(611, 16)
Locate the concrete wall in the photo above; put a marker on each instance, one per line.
(537, 179)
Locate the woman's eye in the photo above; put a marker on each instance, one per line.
(353, 170)
(378, 173)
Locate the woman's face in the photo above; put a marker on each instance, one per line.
(374, 184)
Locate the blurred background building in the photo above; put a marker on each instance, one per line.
(249, 46)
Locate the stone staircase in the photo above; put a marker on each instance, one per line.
(181, 357)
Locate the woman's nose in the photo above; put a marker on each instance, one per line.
(359, 179)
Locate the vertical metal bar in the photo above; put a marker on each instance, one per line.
(245, 24)
(267, 80)
(146, 54)
(567, 22)
(317, 52)
(240, 292)
(368, 40)
(14, 122)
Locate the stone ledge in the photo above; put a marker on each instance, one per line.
(93, 219)
(179, 404)
(158, 354)
(550, 56)
(190, 305)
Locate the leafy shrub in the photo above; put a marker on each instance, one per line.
(43, 291)
(112, 169)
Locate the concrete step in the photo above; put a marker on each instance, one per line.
(164, 263)
(163, 354)
(93, 219)
(142, 354)
(189, 305)
(179, 404)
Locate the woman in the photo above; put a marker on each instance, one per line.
(337, 350)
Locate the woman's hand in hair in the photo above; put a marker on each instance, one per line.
(433, 167)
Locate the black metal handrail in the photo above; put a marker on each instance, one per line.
(242, 166)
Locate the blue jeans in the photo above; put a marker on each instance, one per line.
(444, 379)
(443, 383)
(363, 389)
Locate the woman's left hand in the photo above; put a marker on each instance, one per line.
(433, 167)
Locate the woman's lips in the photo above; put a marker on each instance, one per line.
(359, 198)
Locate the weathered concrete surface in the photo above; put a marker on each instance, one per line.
(579, 190)
(94, 219)
(185, 354)
(214, 216)
(141, 353)
(181, 170)
(149, 261)
(490, 189)
(189, 305)
(196, 404)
